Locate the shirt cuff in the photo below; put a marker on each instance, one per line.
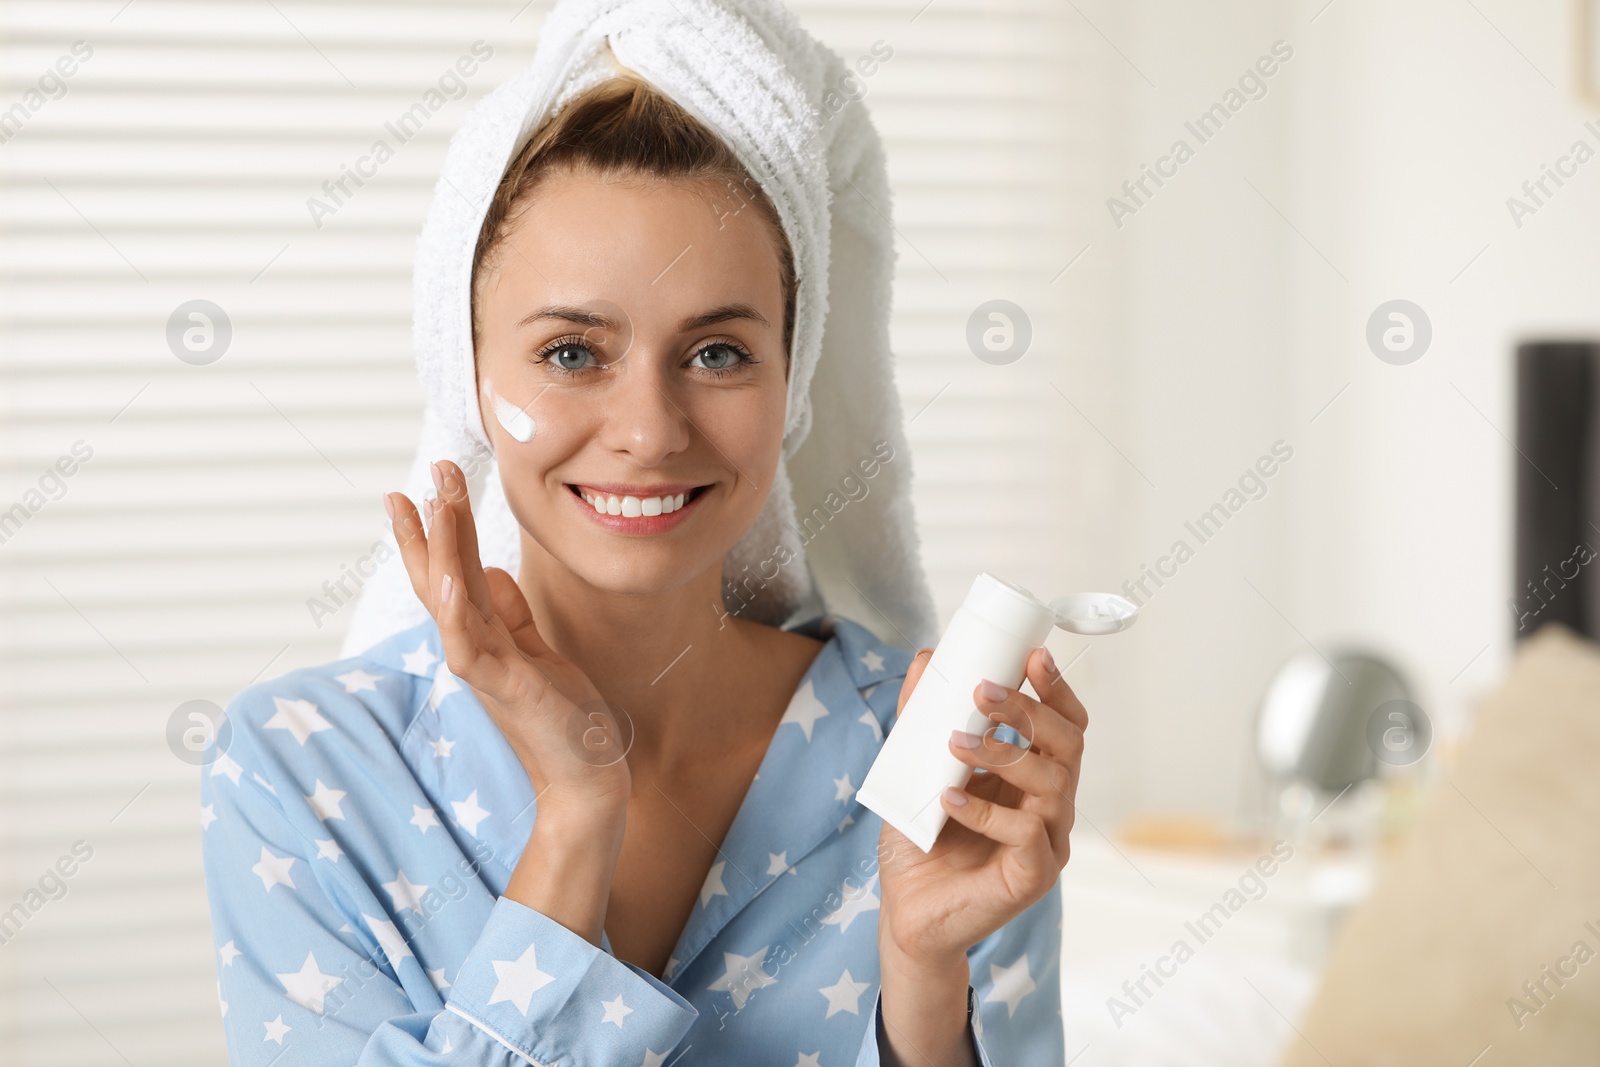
(875, 1040)
(553, 997)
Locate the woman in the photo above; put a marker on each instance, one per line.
(589, 813)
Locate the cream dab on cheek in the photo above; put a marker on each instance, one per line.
(516, 422)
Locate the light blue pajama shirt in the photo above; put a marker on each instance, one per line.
(366, 815)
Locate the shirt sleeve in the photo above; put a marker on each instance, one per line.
(312, 963)
(1013, 998)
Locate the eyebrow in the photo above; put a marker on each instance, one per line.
(581, 317)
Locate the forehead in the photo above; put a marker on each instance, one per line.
(642, 242)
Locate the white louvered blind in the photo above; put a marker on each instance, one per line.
(176, 561)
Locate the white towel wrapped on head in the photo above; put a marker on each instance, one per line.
(750, 72)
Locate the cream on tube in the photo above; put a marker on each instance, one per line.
(990, 638)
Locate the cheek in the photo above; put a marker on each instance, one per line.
(748, 427)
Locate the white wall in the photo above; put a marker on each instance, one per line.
(1390, 142)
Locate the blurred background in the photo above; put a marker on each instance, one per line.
(1330, 278)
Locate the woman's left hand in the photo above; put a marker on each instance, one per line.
(1004, 848)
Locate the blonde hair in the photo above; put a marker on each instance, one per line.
(625, 126)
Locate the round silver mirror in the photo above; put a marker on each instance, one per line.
(1330, 723)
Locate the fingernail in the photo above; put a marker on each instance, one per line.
(991, 692)
(1049, 662)
(446, 587)
(438, 477)
(952, 795)
(965, 740)
(388, 506)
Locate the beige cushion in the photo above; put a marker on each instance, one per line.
(1498, 878)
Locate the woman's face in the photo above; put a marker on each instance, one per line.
(632, 377)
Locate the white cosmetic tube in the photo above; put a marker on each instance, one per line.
(990, 637)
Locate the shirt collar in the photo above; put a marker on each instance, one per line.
(803, 792)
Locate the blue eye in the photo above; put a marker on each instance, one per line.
(721, 356)
(569, 356)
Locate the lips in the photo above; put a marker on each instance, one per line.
(637, 509)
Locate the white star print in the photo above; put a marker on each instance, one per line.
(225, 765)
(842, 789)
(1010, 984)
(394, 946)
(325, 802)
(329, 850)
(276, 1029)
(862, 899)
(616, 1011)
(743, 976)
(420, 661)
(308, 987)
(872, 720)
(436, 976)
(844, 995)
(872, 661)
(222, 1003)
(778, 863)
(805, 709)
(653, 1058)
(517, 980)
(357, 680)
(208, 815)
(846, 821)
(422, 817)
(444, 683)
(468, 813)
(300, 717)
(273, 870)
(441, 748)
(446, 1047)
(229, 953)
(264, 783)
(808, 1059)
(713, 886)
(405, 894)
(672, 965)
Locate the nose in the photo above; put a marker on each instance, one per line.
(644, 420)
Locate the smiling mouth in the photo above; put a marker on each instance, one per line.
(639, 504)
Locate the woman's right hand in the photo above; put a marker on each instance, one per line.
(549, 711)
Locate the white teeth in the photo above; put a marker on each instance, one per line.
(633, 506)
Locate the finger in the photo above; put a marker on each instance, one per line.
(451, 484)
(442, 556)
(481, 654)
(919, 663)
(1046, 786)
(511, 607)
(1040, 725)
(413, 542)
(1023, 830)
(1052, 687)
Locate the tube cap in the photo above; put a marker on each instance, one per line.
(1094, 613)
